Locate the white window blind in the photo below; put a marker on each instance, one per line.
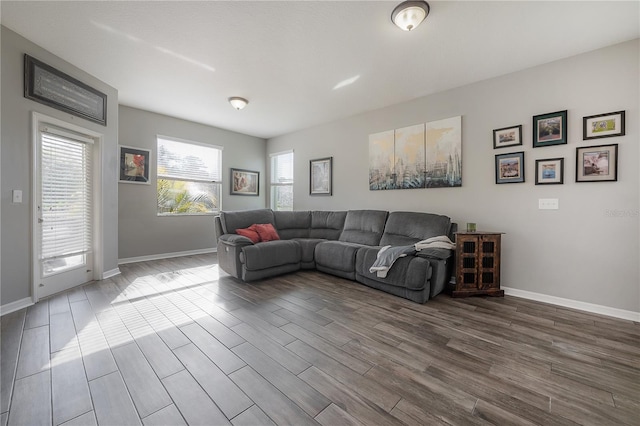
(282, 181)
(66, 207)
(189, 177)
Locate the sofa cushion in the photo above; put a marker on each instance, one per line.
(337, 255)
(363, 227)
(327, 225)
(267, 232)
(269, 254)
(406, 228)
(250, 232)
(293, 224)
(233, 220)
(308, 247)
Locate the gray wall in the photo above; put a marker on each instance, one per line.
(141, 232)
(585, 251)
(16, 163)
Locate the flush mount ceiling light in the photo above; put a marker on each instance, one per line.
(409, 14)
(238, 102)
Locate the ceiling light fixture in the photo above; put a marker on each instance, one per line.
(409, 14)
(238, 102)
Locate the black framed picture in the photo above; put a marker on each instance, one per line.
(134, 165)
(507, 136)
(603, 125)
(597, 163)
(550, 129)
(51, 87)
(550, 171)
(320, 176)
(245, 182)
(510, 167)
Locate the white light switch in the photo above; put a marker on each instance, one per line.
(548, 204)
(16, 195)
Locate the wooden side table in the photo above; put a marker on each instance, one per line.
(478, 264)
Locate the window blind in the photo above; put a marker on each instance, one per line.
(282, 168)
(66, 207)
(188, 161)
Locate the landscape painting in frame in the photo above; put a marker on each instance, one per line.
(597, 163)
(381, 161)
(444, 153)
(410, 157)
(510, 168)
(550, 129)
(245, 182)
(603, 125)
(550, 171)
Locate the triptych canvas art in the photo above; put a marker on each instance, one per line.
(425, 155)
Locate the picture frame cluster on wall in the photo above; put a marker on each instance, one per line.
(593, 163)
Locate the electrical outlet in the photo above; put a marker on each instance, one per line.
(548, 204)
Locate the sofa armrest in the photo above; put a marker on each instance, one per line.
(235, 240)
(435, 253)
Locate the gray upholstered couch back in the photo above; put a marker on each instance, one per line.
(243, 219)
(406, 228)
(364, 227)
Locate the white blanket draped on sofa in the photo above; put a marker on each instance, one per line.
(388, 255)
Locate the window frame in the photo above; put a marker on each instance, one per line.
(218, 183)
(273, 185)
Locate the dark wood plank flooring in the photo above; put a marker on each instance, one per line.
(177, 341)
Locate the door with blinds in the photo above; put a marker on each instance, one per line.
(64, 198)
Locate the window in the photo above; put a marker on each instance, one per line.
(282, 181)
(189, 177)
(65, 207)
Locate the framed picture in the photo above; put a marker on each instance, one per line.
(603, 125)
(550, 129)
(597, 163)
(134, 165)
(320, 176)
(47, 85)
(510, 167)
(508, 136)
(550, 171)
(245, 182)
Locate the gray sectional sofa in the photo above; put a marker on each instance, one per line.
(341, 243)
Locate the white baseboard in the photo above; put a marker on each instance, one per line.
(15, 306)
(574, 304)
(165, 256)
(110, 273)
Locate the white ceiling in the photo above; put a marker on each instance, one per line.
(185, 59)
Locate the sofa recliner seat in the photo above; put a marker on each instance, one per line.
(341, 243)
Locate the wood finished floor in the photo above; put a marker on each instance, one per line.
(178, 342)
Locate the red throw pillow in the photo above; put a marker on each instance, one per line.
(267, 232)
(250, 232)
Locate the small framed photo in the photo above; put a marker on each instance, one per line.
(508, 136)
(550, 171)
(510, 167)
(320, 176)
(134, 165)
(245, 182)
(603, 125)
(597, 163)
(550, 129)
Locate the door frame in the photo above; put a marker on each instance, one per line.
(38, 119)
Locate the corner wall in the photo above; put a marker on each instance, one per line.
(141, 232)
(17, 159)
(586, 251)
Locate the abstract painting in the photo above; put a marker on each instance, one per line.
(444, 153)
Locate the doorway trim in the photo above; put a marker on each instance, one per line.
(38, 119)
